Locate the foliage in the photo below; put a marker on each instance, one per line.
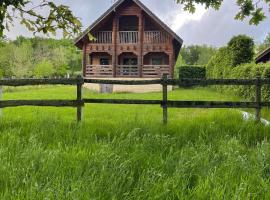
(44, 69)
(196, 54)
(242, 49)
(20, 57)
(264, 45)
(251, 71)
(252, 9)
(58, 17)
(200, 154)
(220, 64)
(239, 50)
(192, 72)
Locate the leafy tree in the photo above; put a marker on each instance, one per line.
(253, 9)
(220, 64)
(242, 49)
(197, 55)
(190, 54)
(44, 69)
(266, 44)
(58, 17)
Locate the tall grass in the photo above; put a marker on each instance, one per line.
(124, 152)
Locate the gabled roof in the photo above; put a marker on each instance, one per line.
(142, 6)
(262, 55)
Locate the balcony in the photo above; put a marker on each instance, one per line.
(127, 71)
(132, 37)
(154, 71)
(99, 71)
(103, 37)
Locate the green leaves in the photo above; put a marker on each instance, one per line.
(252, 9)
(60, 17)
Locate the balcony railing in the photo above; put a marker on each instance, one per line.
(156, 37)
(99, 71)
(127, 71)
(128, 37)
(103, 37)
(154, 71)
(131, 37)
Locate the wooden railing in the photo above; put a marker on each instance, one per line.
(127, 71)
(165, 103)
(103, 37)
(156, 37)
(99, 71)
(155, 71)
(129, 37)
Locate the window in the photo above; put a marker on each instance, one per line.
(104, 61)
(130, 61)
(157, 61)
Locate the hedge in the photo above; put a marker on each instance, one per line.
(248, 71)
(198, 72)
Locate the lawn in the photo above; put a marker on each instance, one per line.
(124, 152)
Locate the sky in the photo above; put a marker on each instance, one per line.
(209, 27)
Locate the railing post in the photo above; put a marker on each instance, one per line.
(79, 98)
(258, 99)
(165, 98)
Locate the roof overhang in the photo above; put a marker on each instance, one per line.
(113, 8)
(262, 55)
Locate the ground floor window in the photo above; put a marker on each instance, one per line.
(104, 61)
(157, 61)
(130, 61)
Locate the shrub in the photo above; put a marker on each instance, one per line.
(192, 72)
(44, 69)
(249, 71)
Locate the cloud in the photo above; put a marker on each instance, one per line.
(204, 27)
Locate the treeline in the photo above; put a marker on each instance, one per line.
(38, 57)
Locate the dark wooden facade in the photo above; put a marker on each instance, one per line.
(129, 41)
(264, 57)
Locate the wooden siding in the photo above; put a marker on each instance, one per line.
(140, 43)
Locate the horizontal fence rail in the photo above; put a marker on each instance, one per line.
(165, 103)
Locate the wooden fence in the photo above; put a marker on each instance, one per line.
(165, 103)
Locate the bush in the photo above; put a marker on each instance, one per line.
(192, 72)
(44, 69)
(251, 71)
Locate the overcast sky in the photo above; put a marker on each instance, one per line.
(204, 27)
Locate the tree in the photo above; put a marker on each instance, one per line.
(266, 44)
(44, 69)
(59, 17)
(190, 54)
(197, 55)
(247, 8)
(242, 49)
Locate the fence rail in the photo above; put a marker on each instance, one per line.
(165, 103)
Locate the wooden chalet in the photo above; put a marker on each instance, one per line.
(263, 57)
(129, 42)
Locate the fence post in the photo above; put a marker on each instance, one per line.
(79, 98)
(165, 98)
(258, 99)
(1, 96)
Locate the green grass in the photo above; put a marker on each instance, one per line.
(124, 152)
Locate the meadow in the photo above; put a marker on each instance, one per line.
(125, 152)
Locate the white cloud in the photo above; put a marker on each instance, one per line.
(185, 17)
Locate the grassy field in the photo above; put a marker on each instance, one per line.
(124, 152)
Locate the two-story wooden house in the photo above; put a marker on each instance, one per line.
(129, 42)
